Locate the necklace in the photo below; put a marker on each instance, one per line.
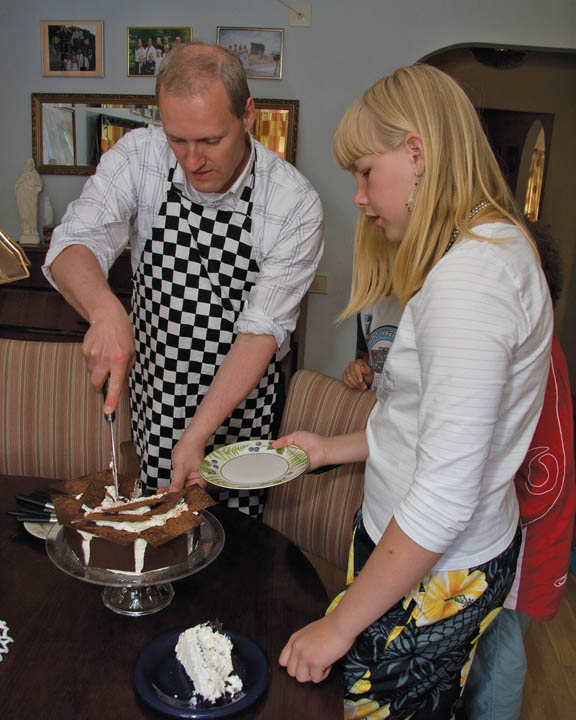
(454, 234)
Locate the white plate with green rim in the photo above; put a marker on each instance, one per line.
(253, 464)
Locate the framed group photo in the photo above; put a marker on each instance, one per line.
(72, 48)
(147, 47)
(259, 49)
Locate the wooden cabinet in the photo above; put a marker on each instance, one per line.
(32, 309)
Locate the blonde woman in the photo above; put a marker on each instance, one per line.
(436, 539)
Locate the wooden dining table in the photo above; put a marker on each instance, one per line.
(72, 657)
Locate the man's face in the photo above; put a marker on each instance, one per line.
(209, 142)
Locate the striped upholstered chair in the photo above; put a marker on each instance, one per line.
(51, 421)
(316, 511)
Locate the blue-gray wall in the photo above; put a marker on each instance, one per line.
(346, 48)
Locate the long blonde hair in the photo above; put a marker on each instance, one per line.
(461, 171)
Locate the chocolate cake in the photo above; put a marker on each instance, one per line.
(134, 534)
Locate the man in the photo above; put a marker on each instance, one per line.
(139, 57)
(150, 54)
(226, 238)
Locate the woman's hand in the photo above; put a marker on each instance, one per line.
(358, 375)
(333, 450)
(310, 652)
(313, 445)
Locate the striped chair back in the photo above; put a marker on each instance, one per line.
(316, 511)
(51, 420)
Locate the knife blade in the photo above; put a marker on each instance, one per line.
(110, 417)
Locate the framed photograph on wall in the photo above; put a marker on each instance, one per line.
(259, 49)
(72, 48)
(148, 45)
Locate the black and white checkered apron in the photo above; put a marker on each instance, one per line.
(192, 281)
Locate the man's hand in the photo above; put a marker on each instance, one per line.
(187, 455)
(109, 350)
(358, 375)
(310, 652)
(239, 373)
(108, 345)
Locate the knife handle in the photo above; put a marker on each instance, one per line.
(29, 500)
(110, 417)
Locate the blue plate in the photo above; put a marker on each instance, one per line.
(163, 684)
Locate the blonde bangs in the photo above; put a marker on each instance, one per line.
(355, 136)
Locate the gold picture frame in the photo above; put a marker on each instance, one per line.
(72, 48)
(13, 261)
(276, 124)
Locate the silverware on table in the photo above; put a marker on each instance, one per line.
(35, 507)
(29, 517)
(40, 503)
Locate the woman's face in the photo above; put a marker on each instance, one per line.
(385, 181)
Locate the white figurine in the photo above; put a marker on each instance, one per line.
(27, 188)
(46, 211)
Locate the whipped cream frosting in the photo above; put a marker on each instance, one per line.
(206, 656)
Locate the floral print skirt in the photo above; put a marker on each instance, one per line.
(412, 663)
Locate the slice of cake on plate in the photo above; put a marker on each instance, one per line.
(206, 655)
(134, 534)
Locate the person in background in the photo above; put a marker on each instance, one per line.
(436, 540)
(546, 491)
(158, 61)
(150, 58)
(376, 329)
(139, 57)
(225, 240)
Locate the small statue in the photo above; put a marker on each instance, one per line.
(46, 211)
(27, 188)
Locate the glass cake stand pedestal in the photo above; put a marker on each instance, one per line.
(149, 592)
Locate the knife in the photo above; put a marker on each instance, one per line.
(25, 517)
(110, 417)
(40, 505)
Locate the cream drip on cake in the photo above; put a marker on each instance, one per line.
(206, 655)
(140, 546)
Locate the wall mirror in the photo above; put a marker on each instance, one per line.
(71, 131)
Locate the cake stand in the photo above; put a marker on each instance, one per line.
(149, 592)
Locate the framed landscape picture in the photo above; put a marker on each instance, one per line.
(148, 45)
(72, 48)
(259, 49)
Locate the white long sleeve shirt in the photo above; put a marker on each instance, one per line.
(461, 394)
(120, 204)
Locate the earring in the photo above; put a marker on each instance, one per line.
(410, 202)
